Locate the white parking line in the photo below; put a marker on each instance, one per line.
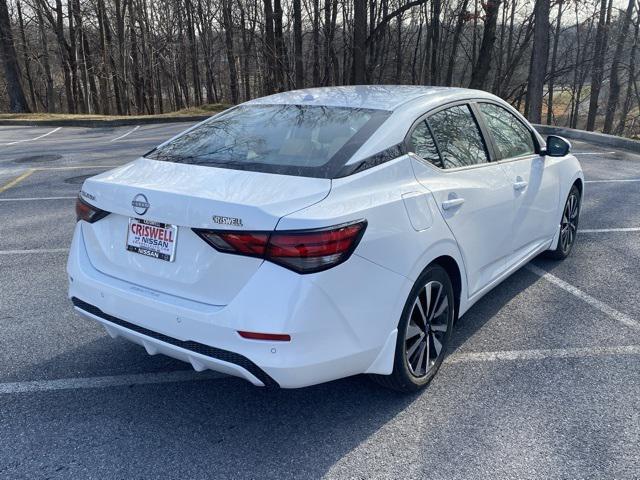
(593, 153)
(608, 230)
(126, 134)
(542, 354)
(35, 250)
(614, 180)
(32, 139)
(594, 302)
(31, 199)
(191, 376)
(107, 381)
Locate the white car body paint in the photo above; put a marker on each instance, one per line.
(342, 321)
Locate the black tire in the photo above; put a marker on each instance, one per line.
(568, 226)
(408, 375)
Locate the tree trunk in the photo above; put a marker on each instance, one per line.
(25, 57)
(626, 107)
(598, 64)
(246, 53)
(614, 77)
(270, 49)
(281, 57)
(17, 100)
(399, 59)
(50, 101)
(315, 35)
(554, 57)
(538, 65)
(112, 62)
(330, 16)
(462, 18)
(483, 64)
(435, 41)
(358, 64)
(297, 44)
(228, 40)
(193, 49)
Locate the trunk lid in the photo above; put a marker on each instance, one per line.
(189, 196)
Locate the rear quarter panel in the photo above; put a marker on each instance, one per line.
(391, 240)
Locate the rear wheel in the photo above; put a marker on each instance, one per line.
(568, 226)
(423, 332)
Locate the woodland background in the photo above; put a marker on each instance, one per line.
(564, 62)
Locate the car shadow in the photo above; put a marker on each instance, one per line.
(223, 427)
(488, 306)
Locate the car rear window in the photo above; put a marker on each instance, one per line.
(303, 140)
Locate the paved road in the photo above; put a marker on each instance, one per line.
(543, 380)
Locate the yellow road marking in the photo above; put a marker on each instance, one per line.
(30, 171)
(75, 167)
(17, 180)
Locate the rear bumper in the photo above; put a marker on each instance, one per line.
(200, 356)
(339, 320)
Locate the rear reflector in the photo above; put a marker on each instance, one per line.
(87, 212)
(303, 251)
(278, 337)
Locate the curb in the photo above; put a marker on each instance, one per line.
(120, 122)
(594, 137)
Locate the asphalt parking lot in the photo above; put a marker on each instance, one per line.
(542, 381)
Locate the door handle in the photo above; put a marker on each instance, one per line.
(520, 185)
(452, 203)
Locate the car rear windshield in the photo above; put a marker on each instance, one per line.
(303, 140)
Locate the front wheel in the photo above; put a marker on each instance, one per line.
(423, 332)
(568, 226)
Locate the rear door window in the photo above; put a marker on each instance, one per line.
(458, 137)
(423, 145)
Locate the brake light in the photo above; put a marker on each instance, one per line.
(87, 212)
(303, 251)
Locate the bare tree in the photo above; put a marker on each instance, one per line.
(614, 78)
(602, 35)
(483, 62)
(17, 100)
(358, 64)
(147, 56)
(538, 65)
(297, 44)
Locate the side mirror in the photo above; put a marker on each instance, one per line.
(557, 146)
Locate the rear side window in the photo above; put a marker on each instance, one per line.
(511, 137)
(422, 144)
(303, 140)
(458, 137)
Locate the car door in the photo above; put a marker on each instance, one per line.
(535, 187)
(472, 193)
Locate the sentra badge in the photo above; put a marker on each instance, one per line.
(232, 221)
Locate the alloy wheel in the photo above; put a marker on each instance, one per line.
(427, 328)
(569, 224)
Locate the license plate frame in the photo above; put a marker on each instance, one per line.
(159, 241)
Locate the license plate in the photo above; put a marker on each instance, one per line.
(152, 239)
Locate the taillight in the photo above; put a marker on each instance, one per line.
(303, 251)
(87, 212)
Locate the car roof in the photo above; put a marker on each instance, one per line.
(380, 97)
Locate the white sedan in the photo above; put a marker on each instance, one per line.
(316, 234)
